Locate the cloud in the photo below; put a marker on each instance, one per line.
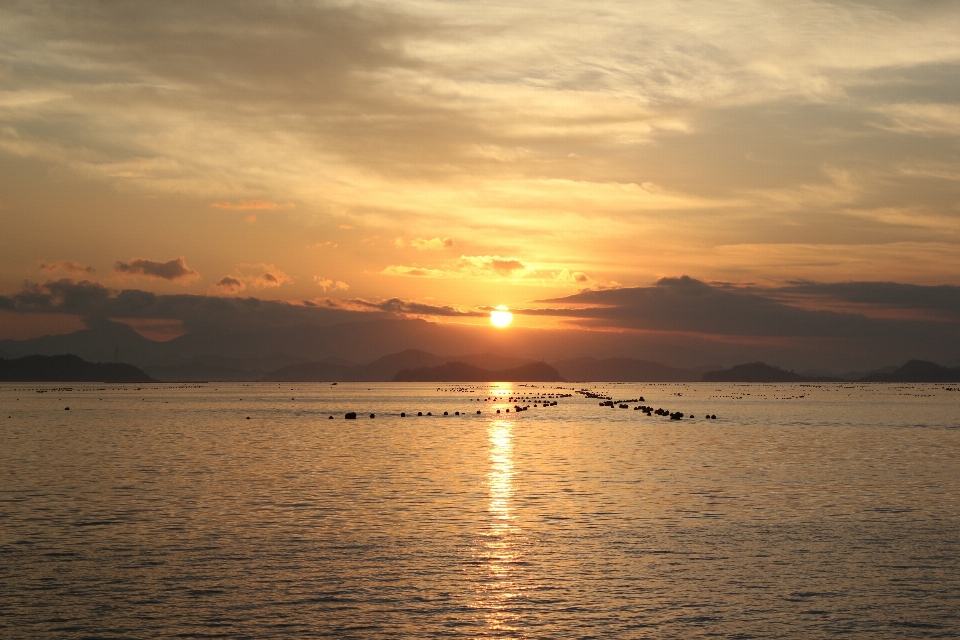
(229, 285)
(252, 276)
(566, 275)
(58, 296)
(327, 283)
(433, 245)
(252, 204)
(492, 265)
(69, 266)
(92, 299)
(719, 312)
(909, 296)
(411, 308)
(645, 142)
(173, 270)
(419, 272)
(470, 266)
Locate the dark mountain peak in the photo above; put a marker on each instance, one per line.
(917, 371)
(753, 372)
(68, 368)
(623, 370)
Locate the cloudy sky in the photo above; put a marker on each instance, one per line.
(468, 154)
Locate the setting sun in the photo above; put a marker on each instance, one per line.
(501, 317)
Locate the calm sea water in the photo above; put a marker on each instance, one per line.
(162, 511)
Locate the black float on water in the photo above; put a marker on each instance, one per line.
(373, 415)
(350, 416)
(403, 415)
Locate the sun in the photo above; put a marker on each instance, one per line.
(501, 317)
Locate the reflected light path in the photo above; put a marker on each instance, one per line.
(496, 587)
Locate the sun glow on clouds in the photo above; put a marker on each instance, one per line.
(655, 141)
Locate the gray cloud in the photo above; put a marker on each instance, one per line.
(687, 305)
(92, 299)
(407, 307)
(895, 294)
(228, 284)
(172, 270)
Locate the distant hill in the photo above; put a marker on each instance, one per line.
(758, 372)
(68, 368)
(625, 370)
(463, 372)
(384, 369)
(917, 371)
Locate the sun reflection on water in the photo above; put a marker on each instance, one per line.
(497, 587)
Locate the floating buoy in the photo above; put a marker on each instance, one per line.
(478, 413)
(248, 417)
(66, 408)
(373, 415)
(419, 413)
(350, 416)
(403, 415)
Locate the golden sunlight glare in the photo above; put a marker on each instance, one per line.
(501, 316)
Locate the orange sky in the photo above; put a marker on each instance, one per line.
(477, 154)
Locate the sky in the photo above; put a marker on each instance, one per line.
(436, 159)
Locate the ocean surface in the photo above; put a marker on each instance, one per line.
(160, 511)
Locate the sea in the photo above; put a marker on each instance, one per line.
(257, 510)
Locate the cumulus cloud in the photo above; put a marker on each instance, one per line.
(250, 276)
(433, 244)
(229, 285)
(327, 283)
(566, 275)
(68, 266)
(174, 270)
